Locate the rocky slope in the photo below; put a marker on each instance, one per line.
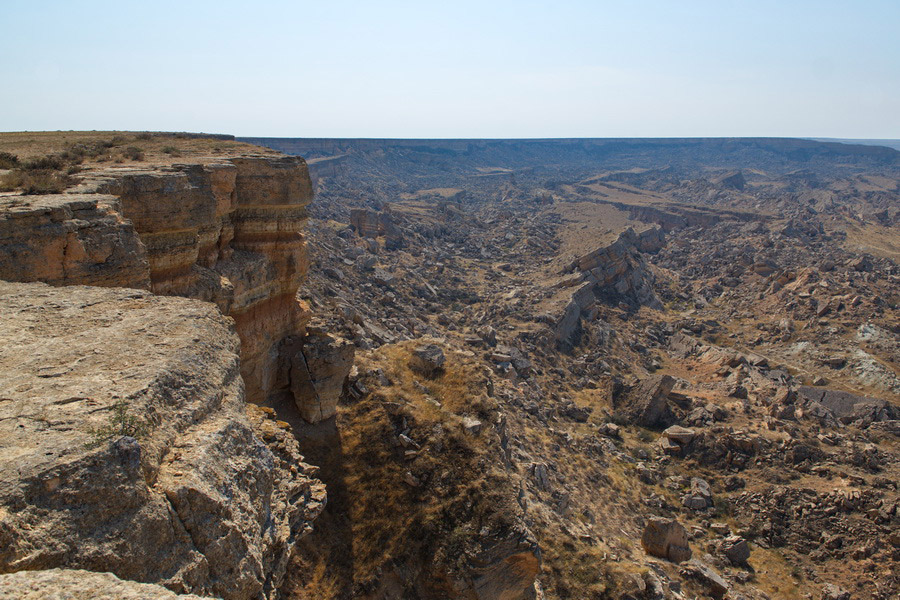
(715, 417)
(629, 369)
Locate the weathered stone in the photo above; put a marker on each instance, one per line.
(666, 538)
(319, 364)
(74, 584)
(427, 359)
(196, 495)
(647, 404)
(831, 591)
(714, 582)
(736, 549)
(227, 232)
(681, 435)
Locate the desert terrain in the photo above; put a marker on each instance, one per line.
(478, 369)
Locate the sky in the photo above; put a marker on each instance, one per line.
(334, 68)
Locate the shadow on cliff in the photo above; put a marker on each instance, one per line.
(323, 561)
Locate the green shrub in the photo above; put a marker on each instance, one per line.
(120, 424)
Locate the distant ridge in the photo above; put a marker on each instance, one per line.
(895, 144)
(777, 155)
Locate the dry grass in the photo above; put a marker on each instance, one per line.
(874, 239)
(375, 522)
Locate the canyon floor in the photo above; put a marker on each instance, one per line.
(652, 369)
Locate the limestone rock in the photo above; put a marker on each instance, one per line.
(227, 232)
(319, 366)
(666, 538)
(427, 360)
(69, 239)
(647, 404)
(200, 498)
(74, 584)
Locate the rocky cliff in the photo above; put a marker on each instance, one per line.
(227, 231)
(126, 445)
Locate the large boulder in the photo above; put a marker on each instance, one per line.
(318, 367)
(126, 445)
(666, 538)
(428, 360)
(647, 404)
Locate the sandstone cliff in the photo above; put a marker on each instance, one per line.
(126, 445)
(228, 231)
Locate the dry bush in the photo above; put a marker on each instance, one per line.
(8, 160)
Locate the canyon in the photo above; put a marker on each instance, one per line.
(480, 369)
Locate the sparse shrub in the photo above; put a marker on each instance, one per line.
(171, 150)
(35, 182)
(133, 152)
(52, 162)
(8, 160)
(121, 423)
(146, 135)
(117, 140)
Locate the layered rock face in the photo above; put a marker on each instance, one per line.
(66, 239)
(616, 269)
(230, 233)
(227, 232)
(126, 446)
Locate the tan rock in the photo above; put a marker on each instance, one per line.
(319, 366)
(666, 538)
(75, 584)
(181, 488)
(228, 232)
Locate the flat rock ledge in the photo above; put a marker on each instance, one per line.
(126, 445)
(73, 584)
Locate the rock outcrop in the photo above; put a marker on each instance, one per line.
(66, 239)
(613, 271)
(666, 538)
(228, 232)
(620, 267)
(647, 404)
(317, 368)
(126, 445)
(76, 584)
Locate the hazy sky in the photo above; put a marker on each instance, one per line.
(454, 69)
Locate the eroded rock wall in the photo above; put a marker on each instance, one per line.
(228, 232)
(66, 239)
(203, 494)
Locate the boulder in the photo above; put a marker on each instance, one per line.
(832, 592)
(647, 404)
(678, 434)
(666, 538)
(714, 582)
(736, 549)
(428, 360)
(318, 365)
